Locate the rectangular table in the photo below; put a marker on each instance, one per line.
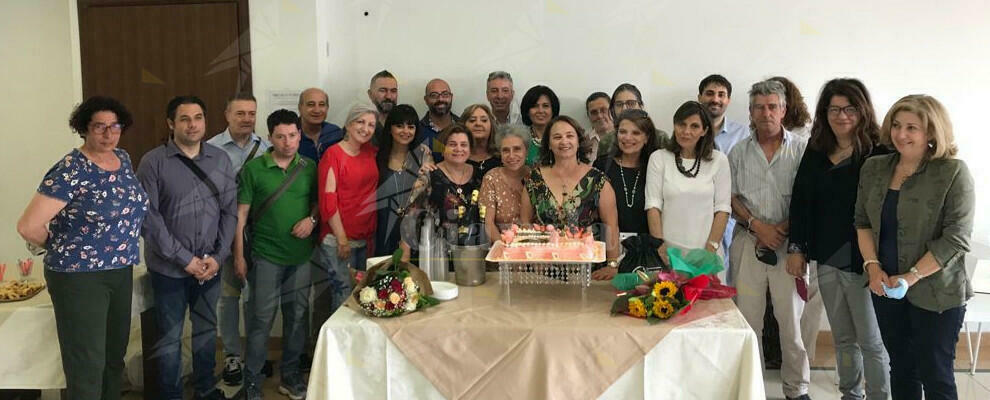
(30, 353)
(713, 356)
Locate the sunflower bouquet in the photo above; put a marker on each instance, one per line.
(661, 295)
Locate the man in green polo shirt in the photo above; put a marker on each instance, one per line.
(281, 247)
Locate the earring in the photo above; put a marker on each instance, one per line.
(931, 145)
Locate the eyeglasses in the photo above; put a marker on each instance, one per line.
(850, 111)
(439, 95)
(627, 104)
(100, 128)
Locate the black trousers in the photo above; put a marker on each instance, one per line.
(922, 348)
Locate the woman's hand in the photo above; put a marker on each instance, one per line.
(603, 274)
(662, 252)
(892, 281)
(877, 278)
(343, 249)
(427, 168)
(796, 265)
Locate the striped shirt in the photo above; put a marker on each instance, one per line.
(765, 187)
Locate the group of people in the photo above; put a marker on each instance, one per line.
(872, 210)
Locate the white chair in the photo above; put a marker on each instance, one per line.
(978, 312)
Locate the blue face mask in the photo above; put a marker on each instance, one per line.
(897, 292)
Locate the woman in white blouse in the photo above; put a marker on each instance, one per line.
(688, 186)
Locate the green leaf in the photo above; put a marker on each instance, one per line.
(621, 304)
(653, 320)
(397, 257)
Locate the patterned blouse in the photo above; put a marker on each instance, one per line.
(580, 207)
(501, 196)
(437, 192)
(99, 227)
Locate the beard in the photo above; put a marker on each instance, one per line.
(712, 110)
(440, 108)
(385, 106)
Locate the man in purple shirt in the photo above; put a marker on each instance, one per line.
(189, 229)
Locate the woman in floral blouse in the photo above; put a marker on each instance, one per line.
(566, 191)
(87, 216)
(450, 190)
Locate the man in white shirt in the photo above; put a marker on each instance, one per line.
(500, 93)
(241, 145)
(763, 168)
(715, 93)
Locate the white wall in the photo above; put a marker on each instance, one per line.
(666, 47)
(574, 47)
(41, 83)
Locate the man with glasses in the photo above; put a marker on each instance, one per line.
(438, 98)
(500, 94)
(602, 131)
(763, 167)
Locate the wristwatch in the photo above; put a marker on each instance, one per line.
(917, 274)
(313, 219)
(714, 244)
(613, 264)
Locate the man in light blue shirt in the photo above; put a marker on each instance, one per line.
(715, 93)
(241, 145)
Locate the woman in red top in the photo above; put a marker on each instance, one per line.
(347, 179)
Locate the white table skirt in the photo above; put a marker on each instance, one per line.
(712, 358)
(30, 356)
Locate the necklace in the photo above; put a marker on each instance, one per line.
(690, 172)
(460, 192)
(625, 187)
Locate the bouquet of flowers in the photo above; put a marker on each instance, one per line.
(393, 288)
(661, 295)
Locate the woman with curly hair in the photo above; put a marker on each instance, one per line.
(87, 216)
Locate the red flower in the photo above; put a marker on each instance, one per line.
(383, 294)
(395, 285)
(389, 306)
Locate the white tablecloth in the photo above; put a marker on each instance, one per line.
(29, 352)
(715, 357)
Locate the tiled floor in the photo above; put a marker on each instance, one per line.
(824, 385)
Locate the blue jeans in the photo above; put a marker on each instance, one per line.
(230, 310)
(269, 286)
(173, 296)
(922, 348)
(331, 289)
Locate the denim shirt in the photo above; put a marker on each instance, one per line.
(934, 214)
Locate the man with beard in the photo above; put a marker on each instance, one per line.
(187, 234)
(384, 93)
(500, 94)
(317, 134)
(715, 93)
(438, 98)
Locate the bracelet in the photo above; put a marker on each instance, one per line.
(613, 264)
(916, 273)
(868, 262)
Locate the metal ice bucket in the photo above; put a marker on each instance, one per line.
(469, 264)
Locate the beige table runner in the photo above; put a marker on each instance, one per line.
(531, 342)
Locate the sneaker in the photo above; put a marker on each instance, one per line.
(233, 371)
(252, 392)
(293, 386)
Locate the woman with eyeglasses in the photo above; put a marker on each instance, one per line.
(628, 97)
(538, 106)
(87, 216)
(845, 134)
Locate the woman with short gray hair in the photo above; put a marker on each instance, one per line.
(502, 187)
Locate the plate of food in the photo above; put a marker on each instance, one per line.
(20, 290)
